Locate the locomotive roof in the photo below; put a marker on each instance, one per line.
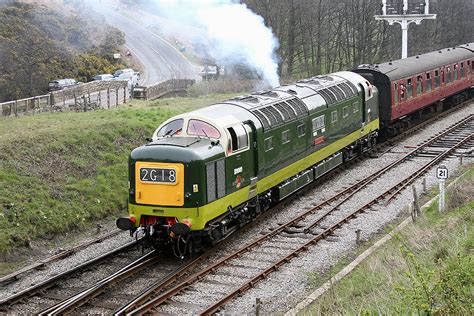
(417, 64)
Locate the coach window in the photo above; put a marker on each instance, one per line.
(462, 70)
(402, 92)
(409, 88)
(334, 117)
(456, 70)
(395, 93)
(436, 78)
(268, 143)
(448, 75)
(301, 130)
(428, 82)
(419, 85)
(238, 137)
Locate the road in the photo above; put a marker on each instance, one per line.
(161, 61)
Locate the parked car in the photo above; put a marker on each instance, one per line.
(126, 71)
(103, 77)
(132, 79)
(61, 84)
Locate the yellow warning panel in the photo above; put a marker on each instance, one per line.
(159, 183)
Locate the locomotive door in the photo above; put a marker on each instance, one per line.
(252, 131)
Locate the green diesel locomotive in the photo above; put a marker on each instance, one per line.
(210, 171)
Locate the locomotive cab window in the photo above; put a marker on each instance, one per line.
(355, 106)
(200, 128)
(238, 138)
(172, 128)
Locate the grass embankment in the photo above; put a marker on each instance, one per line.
(65, 170)
(428, 268)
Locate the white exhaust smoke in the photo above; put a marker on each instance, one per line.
(232, 32)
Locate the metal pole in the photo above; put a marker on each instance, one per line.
(441, 195)
(404, 25)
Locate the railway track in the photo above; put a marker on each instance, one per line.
(41, 264)
(66, 282)
(161, 291)
(256, 260)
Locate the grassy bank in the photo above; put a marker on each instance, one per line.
(65, 170)
(426, 269)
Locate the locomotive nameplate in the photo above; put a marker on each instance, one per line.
(158, 175)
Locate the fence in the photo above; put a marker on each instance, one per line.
(162, 89)
(84, 97)
(92, 95)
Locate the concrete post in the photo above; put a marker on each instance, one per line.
(441, 195)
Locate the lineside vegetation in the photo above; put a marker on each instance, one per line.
(62, 171)
(427, 269)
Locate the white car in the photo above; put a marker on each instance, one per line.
(103, 77)
(131, 78)
(126, 71)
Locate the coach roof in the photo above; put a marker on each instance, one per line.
(402, 68)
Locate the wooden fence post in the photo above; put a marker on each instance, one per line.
(108, 98)
(116, 97)
(416, 206)
(125, 94)
(16, 108)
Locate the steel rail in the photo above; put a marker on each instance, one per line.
(12, 277)
(40, 287)
(329, 231)
(165, 296)
(88, 294)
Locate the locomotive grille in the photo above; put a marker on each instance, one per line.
(211, 181)
(215, 180)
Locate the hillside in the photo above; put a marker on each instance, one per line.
(39, 44)
(66, 170)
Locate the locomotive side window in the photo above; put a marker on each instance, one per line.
(428, 81)
(200, 128)
(419, 85)
(172, 128)
(355, 106)
(238, 137)
(333, 116)
(301, 130)
(345, 111)
(409, 88)
(285, 136)
(436, 77)
(268, 143)
(318, 123)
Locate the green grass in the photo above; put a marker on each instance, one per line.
(61, 171)
(412, 272)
